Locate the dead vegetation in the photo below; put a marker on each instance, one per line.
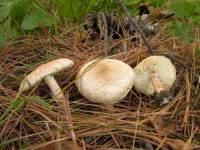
(137, 122)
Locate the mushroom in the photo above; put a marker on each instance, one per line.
(154, 74)
(46, 71)
(105, 81)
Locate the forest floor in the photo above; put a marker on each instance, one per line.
(135, 122)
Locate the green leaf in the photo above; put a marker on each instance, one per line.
(197, 53)
(8, 30)
(87, 5)
(13, 32)
(1, 40)
(131, 2)
(195, 20)
(133, 10)
(5, 28)
(156, 3)
(80, 8)
(182, 8)
(182, 31)
(65, 8)
(15, 104)
(42, 102)
(35, 19)
(5, 10)
(19, 9)
(197, 8)
(5, 2)
(197, 50)
(132, 6)
(74, 9)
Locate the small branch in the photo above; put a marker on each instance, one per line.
(105, 36)
(135, 24)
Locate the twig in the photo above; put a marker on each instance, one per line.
(105, 36)
(135, 24)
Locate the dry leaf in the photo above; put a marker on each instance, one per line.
(162, 125)
(177, 144)
(80, 36)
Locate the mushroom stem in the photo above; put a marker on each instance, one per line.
(54, 87)
(157, 84)
(57, 94)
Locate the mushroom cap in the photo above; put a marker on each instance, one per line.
(105, 81)
(44, 70)
(161, 65)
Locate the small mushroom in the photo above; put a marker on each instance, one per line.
(154, 74)
(46, 71)
(105, 81)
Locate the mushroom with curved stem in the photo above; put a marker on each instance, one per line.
(45, 71)
(155, 75)
(105, 81)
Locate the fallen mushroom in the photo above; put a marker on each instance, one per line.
(105, 81)
(155, 74)
(46, 71)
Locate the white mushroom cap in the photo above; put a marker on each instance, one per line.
(44, 70)
(105, 81)
(158, 66)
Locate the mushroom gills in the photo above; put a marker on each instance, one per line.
(157, 84)
(155, 75)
